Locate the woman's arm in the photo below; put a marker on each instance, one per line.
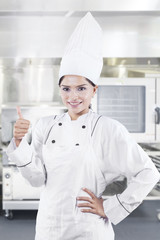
(127, 158)
(28, 158)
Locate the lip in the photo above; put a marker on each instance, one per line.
(74, 104)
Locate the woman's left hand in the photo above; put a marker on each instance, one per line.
(95, 204)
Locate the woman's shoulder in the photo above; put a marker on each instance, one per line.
(108, 125)
(51, 117)
(45, 121)
(106, 121)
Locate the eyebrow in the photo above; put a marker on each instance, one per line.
(77, 86)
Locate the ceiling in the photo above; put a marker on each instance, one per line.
(79, 5)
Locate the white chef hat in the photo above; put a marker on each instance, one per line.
(83, 53)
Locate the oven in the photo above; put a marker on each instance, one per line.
(134, 102)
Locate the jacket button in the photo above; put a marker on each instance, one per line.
(83, 126)
(60, 124)
(77, 144)
(53, 141)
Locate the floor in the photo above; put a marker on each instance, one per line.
(141, 224)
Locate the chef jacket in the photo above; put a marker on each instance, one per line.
(117, 153)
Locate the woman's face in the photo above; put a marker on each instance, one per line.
(76, 93)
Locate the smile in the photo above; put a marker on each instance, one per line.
(74, 104)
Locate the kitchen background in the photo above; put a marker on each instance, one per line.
(33, 35)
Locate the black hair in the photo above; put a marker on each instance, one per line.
(60, 81)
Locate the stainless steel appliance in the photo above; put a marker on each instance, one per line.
(135, 102)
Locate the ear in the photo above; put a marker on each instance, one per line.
(95, 89)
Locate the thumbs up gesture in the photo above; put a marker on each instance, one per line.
(20, 128)
(19, 112)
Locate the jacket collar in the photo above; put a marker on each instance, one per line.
(80, 118)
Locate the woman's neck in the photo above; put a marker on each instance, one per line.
(76, 116)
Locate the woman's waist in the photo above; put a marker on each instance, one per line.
(67, 215)
(65, 204)
(73, 186)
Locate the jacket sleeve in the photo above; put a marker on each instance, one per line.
(127, 158)
(28, 158)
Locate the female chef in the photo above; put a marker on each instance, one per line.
(75, 155)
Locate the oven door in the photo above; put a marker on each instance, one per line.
(131, 101)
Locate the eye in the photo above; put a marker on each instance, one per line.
(65, 89)
(81, 88)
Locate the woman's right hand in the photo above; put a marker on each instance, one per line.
(20, 127)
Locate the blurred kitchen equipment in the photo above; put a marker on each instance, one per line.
(157, 109)
(133, 102)
(31, 82)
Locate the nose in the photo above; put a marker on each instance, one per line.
(73, 94)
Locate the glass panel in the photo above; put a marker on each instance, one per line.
(125, 104)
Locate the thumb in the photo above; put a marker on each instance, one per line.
(19, 112)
